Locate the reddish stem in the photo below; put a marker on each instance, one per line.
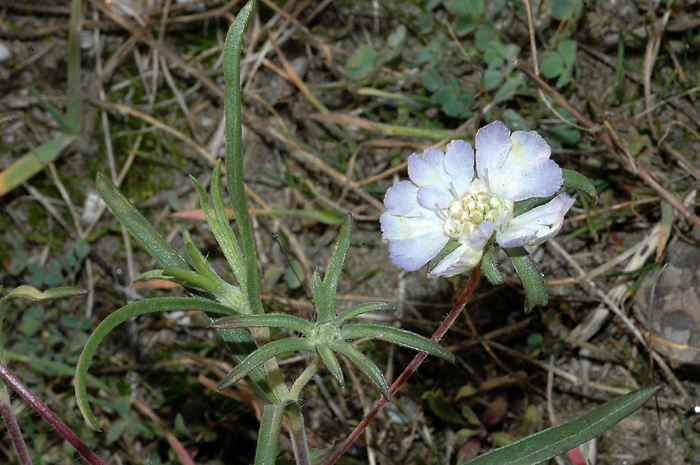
(51, 417)
(13, 427)
(411, 368)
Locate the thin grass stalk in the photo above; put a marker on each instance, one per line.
(49, 416)
(411, 368)
(13, 427)
(74, 106)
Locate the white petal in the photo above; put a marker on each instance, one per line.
(462, 259)
(402, 199)
(537, 225)
(400, 228)
(412, 254)
(459, 164)
(429, 169)
(428, 197)
(527, 170)
(492, 146)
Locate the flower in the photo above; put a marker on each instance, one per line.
(447, 200)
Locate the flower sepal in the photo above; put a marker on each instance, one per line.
(531, 277)
(575, 180)
(490, 268)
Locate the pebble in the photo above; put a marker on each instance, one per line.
(5, 52)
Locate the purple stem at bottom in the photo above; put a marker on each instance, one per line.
(13, 428)
(51, 417)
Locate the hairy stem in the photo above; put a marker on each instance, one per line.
(411, 368)
(295, 425)
(12, 427)
(51, 417)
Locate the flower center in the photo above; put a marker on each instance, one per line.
(476, 206)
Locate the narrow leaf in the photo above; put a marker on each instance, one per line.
(396, 336)
(32, 162)
(234, 150)
(142, 307)
(331, 362)
(263, 354)
(358, 310)
(531, 277)
(317, 289)
(138, 226)
(199, 262)
(34, 294)
(575, 180)
(335, 268)
(367, 366)
(269, 434)
(558, 439)
(219, 224)
(272, 320)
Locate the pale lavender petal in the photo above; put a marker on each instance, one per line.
(462, 259)
(518, 182)
(401, 199)
(459, 163)
(428, 197)
(492, 146)
(537, 225)
(402, 228)
(429, 169)
(527, 170)
(484, 234)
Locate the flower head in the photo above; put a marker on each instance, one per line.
(469, 198)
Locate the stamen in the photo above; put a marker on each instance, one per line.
(441, 214)
(453, 191)
(486, 179)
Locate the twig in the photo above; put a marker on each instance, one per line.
(411, 368)
(605, 138)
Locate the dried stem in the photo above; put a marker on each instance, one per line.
(606, 138)
(411, 368)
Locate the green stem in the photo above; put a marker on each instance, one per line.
(303, 379)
